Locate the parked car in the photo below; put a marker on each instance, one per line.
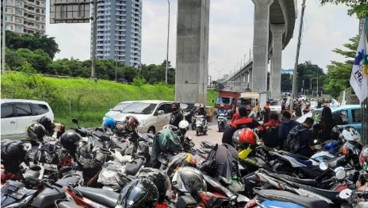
(151, 114)
(116, 112)
(17, 114)
(347, 115)
(275, 106)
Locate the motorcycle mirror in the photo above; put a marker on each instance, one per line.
(345, 194)
(340, 173)
(323, 166)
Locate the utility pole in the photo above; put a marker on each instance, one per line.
(295, 74)
(94, 37)
(317, 83)
(116, 69)
(3, 39)
(168, 40)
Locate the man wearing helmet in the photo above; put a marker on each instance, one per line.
(176, 115)
(243, 122)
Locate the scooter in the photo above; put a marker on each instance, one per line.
(221, 122)
(201, 125)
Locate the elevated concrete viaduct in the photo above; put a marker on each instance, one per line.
(274, 22)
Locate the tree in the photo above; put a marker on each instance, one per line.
(38, 60)
(338, 74)
(286, 82)
(32, 42)
(358, 7)
(308, 74)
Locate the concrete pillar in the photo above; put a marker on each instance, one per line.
(246, 79)
(276, 60)
(260, 47)
(192, 51)
(251, 80)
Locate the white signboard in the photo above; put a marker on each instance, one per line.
(69, 11)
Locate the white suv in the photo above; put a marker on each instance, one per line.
(17, 114)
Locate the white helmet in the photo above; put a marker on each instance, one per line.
(351, 134)
(184, 124)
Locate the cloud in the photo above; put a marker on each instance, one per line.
(326, 28)
(230, 35)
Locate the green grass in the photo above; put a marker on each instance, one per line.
(79, 98)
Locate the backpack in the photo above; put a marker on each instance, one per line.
(293, 141)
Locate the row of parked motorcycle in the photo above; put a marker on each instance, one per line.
(110, 167)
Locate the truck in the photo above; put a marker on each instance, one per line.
(227, 98)
(248, 99)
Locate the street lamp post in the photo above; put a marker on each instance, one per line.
(168, 40)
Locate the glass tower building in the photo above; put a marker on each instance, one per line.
(119, 24)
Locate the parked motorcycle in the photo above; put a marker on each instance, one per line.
(33, 192)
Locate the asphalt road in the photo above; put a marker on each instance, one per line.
(212, 136)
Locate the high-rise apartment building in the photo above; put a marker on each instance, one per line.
(25, 16)
(119, 24)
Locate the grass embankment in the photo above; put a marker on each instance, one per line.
(79, 98)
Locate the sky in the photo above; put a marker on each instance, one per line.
(230, 36)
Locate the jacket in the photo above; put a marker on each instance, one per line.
(284, 129)
(269, 133)
(164, 141)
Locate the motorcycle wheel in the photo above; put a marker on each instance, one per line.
(193, 126)
(197, 132)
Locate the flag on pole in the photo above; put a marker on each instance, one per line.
(359, 73)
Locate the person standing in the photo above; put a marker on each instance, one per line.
(176, 115)
(286, 125)
(269, 131)
(327, 123)
(267, 112)
(301, 139)
(298, 109)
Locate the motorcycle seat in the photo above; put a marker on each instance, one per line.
(133, 167)
(306, 181)
(101, 196)
(290, 197)
(329, 194)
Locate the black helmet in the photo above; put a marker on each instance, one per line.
(36, 131)
(138, 193)
(180, 160)
(47, 153)
(335, 132)
(69, 140)
(189, 180)
(47, 123)
(13, 153)
(160, 179)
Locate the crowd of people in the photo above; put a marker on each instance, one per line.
(277, 129)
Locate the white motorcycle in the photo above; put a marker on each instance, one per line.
(201, 124)
(221, 122)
